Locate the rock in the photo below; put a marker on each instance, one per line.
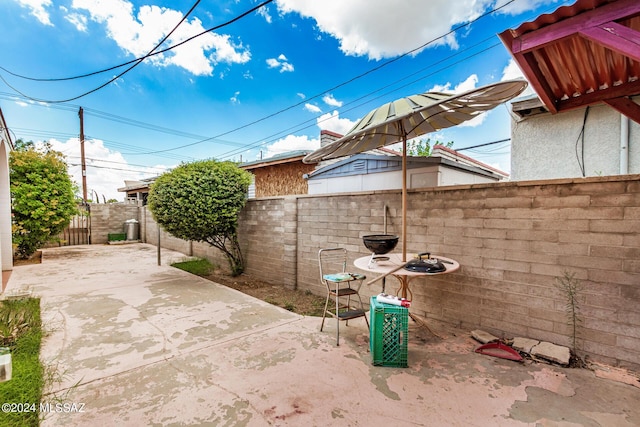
(524, 344)
(552, 352)
(483, 337)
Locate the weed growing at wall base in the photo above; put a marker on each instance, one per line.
(571, 289)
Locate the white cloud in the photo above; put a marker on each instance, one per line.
(468, 84)
(511, 71)
(78, 21)
(371, 33)
(312, 108)
(106, 169)
(281, 62)
(292, 143)
(138, 34)
(329, 121)
(330, 100)
(234, 99)
(333, 122)
(38, 9)
(264, 12)
(301, 95)
(518, 7)
(366, 27)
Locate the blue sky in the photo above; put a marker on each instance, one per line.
(265, 84)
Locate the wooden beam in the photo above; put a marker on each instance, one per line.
(613, 11)
(627, 107)
(602, 95)
(531, 71)
(616, 37)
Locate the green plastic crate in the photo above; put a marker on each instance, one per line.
(116, 237)
(388, 335)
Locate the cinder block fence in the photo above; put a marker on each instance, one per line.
(513, 241)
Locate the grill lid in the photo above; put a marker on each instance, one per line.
(425, 265)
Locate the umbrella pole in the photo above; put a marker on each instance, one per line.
(404, 198)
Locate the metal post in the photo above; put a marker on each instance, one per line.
(82, 160)
(159, 260)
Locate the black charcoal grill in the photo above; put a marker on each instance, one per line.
(379, 245)
(425, 264)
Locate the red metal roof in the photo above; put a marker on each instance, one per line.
(582, 54)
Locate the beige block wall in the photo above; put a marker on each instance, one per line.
(513, 240)
(109, 218)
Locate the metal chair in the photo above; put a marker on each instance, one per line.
(340, 285)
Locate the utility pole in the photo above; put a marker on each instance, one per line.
(84, 164)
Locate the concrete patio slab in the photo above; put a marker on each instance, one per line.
(135, 343)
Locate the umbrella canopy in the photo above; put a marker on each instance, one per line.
(417, 115)
(410, 117)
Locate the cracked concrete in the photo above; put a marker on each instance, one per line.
(141, 344)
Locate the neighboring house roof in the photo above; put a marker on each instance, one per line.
(363, 163)
(143, 184)
(288, 157)
(442, 151)
(582, 54)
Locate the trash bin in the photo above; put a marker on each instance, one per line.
(131, 229)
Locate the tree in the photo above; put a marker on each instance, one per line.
(43, 196)
(423, 147)
(200, 201)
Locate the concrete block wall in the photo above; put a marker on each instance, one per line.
(268, 237)
(166, 240)
(109, 218)
(513, 241)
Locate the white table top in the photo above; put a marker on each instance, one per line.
(395, 260)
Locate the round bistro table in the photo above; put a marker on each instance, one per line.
(384, 266)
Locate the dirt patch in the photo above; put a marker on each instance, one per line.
(297, 301)
(33, 259)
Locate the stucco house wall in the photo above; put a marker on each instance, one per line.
(546, 146)
(6, 246)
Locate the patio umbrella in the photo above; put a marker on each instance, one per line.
(410, 117)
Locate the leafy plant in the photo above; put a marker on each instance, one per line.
(571, 289)
(15, 321)
(28, 379)
(200, 201)
(422, 147)
(42, 194)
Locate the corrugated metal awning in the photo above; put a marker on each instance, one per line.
(582, 54)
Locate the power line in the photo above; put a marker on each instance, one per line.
(312, 122)
(484, 145)
(244, 147)
(351, 80)
(138, 61)
(150, 54)
(118, 163)
(135, 64)
(115, 169)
